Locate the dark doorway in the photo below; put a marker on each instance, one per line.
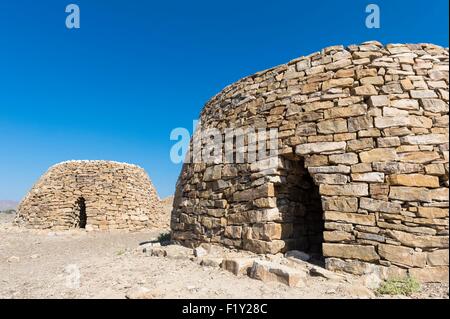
(299, 201)
(81, 205)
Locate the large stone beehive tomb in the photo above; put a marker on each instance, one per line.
(100, 195)
(362, 173)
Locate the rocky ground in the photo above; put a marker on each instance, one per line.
(45, 264)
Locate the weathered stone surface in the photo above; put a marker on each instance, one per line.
(405, 104)
(359, 123)
(430, 274)
(266, 190)
(392, 111)
(359, 219)
(365, 90)
(388, 141)
(439, 194)
(311, 148)
(378, 155)
(416, 180)
(416, 241)
(270, 231)
(315, 106)
(321, 272)
(269, 272)
(422, 94)
(418, 157)
(372, 177)
(342, 82)
(407, 121)
(428, 139)
(435, 105)
(413, 230)
(332, 126)
(396, 167)
(375, 80)
(261, 246)
(214, 262)
(345, 159)
(361, 168)
(337, 236)
(353, 189)
(432, 212)
(435, 169)
(365, 253)
(338, 169)
(379, 101)
(237, 265)
(344, 112)
(402, 255)
(333, 179)
(360, 144)
(341, 204)
(212, 173)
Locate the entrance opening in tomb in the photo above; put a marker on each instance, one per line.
(300, 204)
(81, 209)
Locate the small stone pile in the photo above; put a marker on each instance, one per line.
(362, 171)
(96, 195)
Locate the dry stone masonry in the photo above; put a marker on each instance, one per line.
(96, 195)
(362, 174)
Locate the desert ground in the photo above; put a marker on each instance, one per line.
(46, 264)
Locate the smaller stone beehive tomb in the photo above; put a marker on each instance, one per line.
(361, 174)
(98, 195)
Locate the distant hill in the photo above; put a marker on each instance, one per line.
(8, 204)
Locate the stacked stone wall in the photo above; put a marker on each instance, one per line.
(114, 196)
(369, 123)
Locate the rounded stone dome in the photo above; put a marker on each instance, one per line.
(361, 174)
(97, 195)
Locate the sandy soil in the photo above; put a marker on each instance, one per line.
(45, 264)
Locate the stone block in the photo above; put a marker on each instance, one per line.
(359, 252)
(271, 272)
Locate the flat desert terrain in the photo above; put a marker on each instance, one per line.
(80, 264)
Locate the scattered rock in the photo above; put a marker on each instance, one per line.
(237, 266)
(359, 291)
(321, 272)
(298, 255)
(13, 259)
(215, 262)
(268, 271)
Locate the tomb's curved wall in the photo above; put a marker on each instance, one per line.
(368, 124)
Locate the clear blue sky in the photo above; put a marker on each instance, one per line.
(115, 88)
